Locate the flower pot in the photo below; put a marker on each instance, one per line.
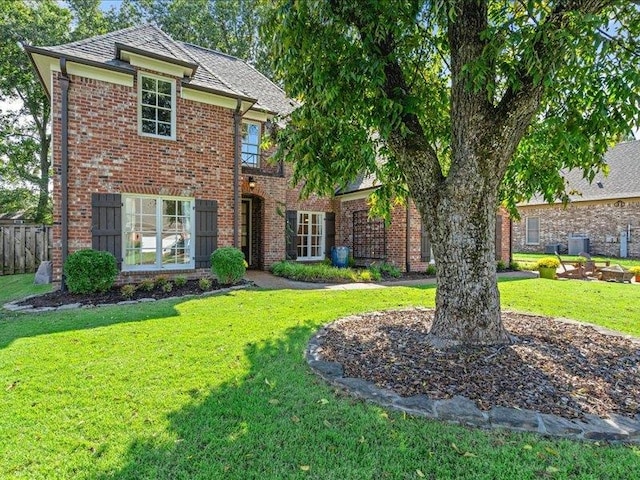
(637, 277)
(547, 272)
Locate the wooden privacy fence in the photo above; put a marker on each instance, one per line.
(23, 247)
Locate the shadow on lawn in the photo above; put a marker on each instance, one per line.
(279, 418)
(15, 325)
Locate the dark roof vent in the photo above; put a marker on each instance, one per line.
(600, 185)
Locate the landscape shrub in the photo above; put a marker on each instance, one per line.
(147, 285)
(90, 271)
(385, 269)
(228, 265)
(431, 269)
(128, 290)
(167, 287)
(161, 280)
(319, 272)
(204, 284)
(180, 281)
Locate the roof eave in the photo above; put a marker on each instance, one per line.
(190, 68)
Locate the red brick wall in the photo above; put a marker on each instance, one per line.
(106, 155)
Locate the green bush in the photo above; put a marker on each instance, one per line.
(431, 269)
(181, 281)
(501, 266)
(160, 281)
(147, 285)
(319, 272)
(228, 265)
(90, 271)
(128, 290)
(385, 269)
(204, 284)
(167, 287)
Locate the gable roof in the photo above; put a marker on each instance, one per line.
(206, 69)
(623, 180)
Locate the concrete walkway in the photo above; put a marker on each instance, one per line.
(271, 282)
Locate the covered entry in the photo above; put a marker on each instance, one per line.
(251, 230)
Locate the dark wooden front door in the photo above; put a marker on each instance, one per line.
(245, 229)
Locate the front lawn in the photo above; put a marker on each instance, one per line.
(217, 388)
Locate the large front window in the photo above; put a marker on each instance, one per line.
(251, 144)
(158, 233)
(310, 236)
(156, 107)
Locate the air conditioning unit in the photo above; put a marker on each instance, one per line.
(552, 248)
(578, 243)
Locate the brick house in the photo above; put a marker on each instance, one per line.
(602, 217)
(157, 159)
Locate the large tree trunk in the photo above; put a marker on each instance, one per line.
(467, 297)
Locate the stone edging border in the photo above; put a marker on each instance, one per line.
(463, 411)
(14, 307)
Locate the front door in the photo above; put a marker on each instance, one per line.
(245, 229)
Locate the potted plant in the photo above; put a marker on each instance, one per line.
(636, 271)
(547, 267)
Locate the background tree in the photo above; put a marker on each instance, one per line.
(230, 26)
(25, 138)
(469, 102)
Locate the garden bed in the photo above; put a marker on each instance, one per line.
(114, 295)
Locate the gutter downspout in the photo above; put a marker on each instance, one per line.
(237, 139)
(64, 165)
(408, 239)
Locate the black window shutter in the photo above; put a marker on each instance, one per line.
(330, 233)
(106, 224)
(498, 237)
(206, 231)
(425, 245)
(291, 234)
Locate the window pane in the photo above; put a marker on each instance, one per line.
(148, 98)
(164, 129)
(164, 88)
(148, 83)
(148, 126)
(164, 115)
(164, 101)
(148, 113)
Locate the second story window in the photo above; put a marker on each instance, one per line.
(156, 107)
(250, 144)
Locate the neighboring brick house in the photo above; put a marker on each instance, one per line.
(157, 159)
(605, 212)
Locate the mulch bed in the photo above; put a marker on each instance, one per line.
(58, 298)
(553, 367)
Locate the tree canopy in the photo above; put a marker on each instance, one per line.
(375, 66)
(461, 105)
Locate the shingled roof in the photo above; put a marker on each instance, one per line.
(623, 180)
(214, 71)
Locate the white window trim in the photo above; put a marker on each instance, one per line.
(259, 125)
(158, 266)
(173, 106)
(322, 238)
(526, 237)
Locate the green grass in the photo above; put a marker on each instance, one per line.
(534, 257)
(217, 388)
(13, 287)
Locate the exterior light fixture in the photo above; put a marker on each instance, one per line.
(252, 183)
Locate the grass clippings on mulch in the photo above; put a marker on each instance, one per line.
(553, 366)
